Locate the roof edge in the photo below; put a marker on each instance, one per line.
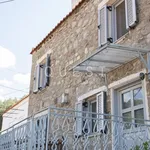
(53, 30)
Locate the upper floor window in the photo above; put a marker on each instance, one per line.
(42, 75)
(120, 20)
(115, 21)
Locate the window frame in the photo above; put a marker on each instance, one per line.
(115, 5)
(133, 108)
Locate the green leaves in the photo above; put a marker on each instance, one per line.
(145, 146)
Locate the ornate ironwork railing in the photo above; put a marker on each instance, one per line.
(66, 129)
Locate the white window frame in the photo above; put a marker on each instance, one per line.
(115, 20)
(132, 108)
(128, 80)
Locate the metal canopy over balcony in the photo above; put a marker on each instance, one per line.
(109, 57)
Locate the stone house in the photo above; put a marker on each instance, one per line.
(107, 43)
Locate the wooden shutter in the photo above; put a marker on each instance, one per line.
(101, 110)
(102, 26)
(47, 70)
(131, 16)
(79, 120)
(36, 78)
(42, 77)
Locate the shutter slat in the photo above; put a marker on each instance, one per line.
(131, 17)
(102, 26)
(36, 78)
(100, 110)
(79, 120)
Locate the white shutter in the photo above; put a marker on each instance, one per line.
(100, 110)
(79, 120)
(36, 78)
(102, 26)
(131, 17)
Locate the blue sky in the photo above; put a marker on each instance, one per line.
(23, 24)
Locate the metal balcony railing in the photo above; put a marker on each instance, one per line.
(67, 129)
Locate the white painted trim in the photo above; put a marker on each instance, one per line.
(90, 93)
(146, 109)
(44, 56)
(132, 108)
(126, 80)
(104, 2)
(123, 82)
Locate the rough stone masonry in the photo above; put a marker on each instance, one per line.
(73, 40)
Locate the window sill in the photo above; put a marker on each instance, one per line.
(121, 38)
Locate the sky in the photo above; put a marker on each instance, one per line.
(23, 24)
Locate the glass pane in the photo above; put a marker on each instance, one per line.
(93, 116)
(138, 96)
(127, 117)
(139, 114)
(126, 100)
(121, 20)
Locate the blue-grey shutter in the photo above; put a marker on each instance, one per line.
(102, 26)
(36, 78)
(131, 16)
(79, 120)
(48, 70)
(100, 99)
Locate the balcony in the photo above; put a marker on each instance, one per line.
(67, 129)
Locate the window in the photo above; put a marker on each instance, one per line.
(88, 112)
(42, 75)
(120, 20)
(89, 123)
(132, 105)
(114, 21)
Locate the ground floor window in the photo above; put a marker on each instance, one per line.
(132, 104)
(90, 114)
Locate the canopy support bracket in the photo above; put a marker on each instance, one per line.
(146, 63)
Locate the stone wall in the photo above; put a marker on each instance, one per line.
(73, 41)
